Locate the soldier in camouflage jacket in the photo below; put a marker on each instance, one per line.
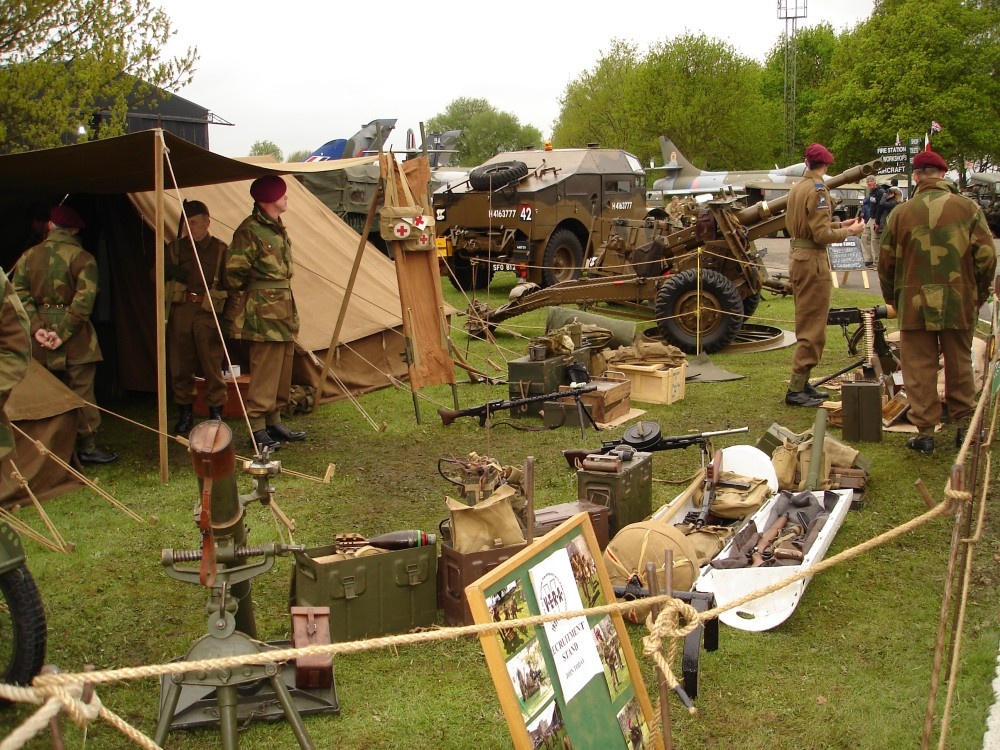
(57, 281)
(259, 265)
(936, 265)
(15, 354)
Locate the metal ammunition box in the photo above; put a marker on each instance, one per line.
(548, 518)
(456, 570)
(628, 492)
(527, 377)
(862, 412)
(388, 592)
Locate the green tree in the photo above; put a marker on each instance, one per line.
(68, 64)
(301, 155)
(814, 50)
(486, 131)
(266, 148)
(911, 63)
(597, 108)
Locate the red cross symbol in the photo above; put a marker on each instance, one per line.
(419, 221)
(424, 239)
(402, 230)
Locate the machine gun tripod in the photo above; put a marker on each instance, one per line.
(226, 696)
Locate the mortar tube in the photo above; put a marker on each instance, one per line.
(214, 457)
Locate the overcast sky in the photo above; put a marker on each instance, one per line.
(300, 72)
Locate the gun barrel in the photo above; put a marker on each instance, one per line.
(766, 209)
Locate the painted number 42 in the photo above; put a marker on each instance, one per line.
(525, 213)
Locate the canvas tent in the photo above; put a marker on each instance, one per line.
(127, 235)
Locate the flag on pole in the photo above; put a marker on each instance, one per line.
(935, 126)
(897, 139)
(927, 142)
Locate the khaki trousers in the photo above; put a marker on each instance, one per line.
(918, 357)
(80, 380)
(809, 272)
(270, 382)
(194, 346)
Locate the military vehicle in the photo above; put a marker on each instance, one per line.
(536, 212)
(984, 188)
(699, 283)
(349, 192)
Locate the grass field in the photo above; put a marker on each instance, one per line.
(850, 669)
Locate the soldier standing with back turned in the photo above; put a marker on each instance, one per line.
(57, 282)
(259, 263)
(193, 340)
(936, 264)
(809, 221)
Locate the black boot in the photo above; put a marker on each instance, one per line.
(280, 432)
(185, 419)
(215, 412)
(264, 440)
(921, 444)
(802, 398)
(88, 452)
(816, 392)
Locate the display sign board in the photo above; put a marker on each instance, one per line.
(846, 255)
(571, 682)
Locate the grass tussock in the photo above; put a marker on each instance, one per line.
(850, 669)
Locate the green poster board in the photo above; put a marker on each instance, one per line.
(565, 684)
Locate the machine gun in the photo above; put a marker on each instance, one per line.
(868, 339)
(647, 263)
(712, 474)
(645, 436)
(484, 411)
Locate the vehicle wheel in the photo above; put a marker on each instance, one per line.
(750, 305)
(677, 303)
(563, 258)
(496, 176)
(467, 277)
(22, 628)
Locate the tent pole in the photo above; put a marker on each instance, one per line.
(161, 331)
(335, 339)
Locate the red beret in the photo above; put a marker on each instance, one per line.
(64, 216)
(268, 189)
(817, 153)
(929, 159)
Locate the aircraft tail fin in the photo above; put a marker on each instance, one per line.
(674, 160)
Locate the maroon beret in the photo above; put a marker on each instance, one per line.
(929, 159)
(268, 189)
(817, 153)
(64, 216)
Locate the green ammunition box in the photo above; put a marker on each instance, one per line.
(389, 592)
(528, 377)
(627, 492)
(862, 412)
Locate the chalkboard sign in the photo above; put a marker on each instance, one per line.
(846, 255)
(572, 682)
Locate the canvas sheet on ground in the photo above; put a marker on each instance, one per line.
(572, 682)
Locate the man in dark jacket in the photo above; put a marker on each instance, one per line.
(936, 264)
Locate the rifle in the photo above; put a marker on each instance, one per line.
(711, 482)
(484, 411)
(645, 436)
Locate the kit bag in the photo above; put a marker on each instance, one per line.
(647, 541)
(489, 524)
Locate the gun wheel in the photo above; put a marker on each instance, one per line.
(22, 628)
(678, 304)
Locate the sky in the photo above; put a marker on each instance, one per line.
(299, 73)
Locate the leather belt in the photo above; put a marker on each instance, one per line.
(53, 305)
(192, 297)
(807, 244)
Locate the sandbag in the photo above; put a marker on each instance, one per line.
(647, 541)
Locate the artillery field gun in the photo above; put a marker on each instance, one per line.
(700, 283)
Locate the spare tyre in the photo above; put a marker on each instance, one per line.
(496, 176)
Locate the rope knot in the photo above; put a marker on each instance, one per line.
(676, 620)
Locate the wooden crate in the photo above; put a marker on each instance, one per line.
(656, 384)
(611, 400)
(232, 406)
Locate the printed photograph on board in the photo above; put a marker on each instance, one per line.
(634, 726)
(585, 573)
(531, 680)
(613, 657)
(548, 730)
(509, 604)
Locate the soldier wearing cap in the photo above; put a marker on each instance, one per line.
(809, 222)
(57, 283)
(193, 340)
(259, 264)
(936, 264)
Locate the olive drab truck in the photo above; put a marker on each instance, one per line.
(540, 213)
(700, 283)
